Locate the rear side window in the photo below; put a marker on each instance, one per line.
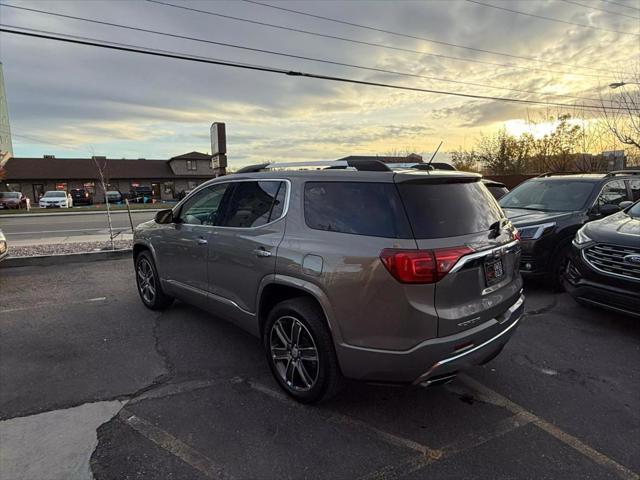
(438, 210)
(254, 204)
(359, 208)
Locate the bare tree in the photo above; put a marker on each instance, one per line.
(621, 109)
(102, 168)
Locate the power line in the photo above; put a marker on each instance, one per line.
(610, 12)
(180, 56)
(621, 4)
(299, 57)
(557, 20)
(415, 37)
(372, 44)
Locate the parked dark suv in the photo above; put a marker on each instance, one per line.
(548, 211)
(604, 266)
(80, 196)
(402, 277)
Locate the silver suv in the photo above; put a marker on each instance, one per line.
(350, 271)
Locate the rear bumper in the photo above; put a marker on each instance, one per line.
(435, 358)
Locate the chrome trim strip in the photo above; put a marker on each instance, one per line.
(604, 272)
(474, 349)
(210, 295)
(482, 253)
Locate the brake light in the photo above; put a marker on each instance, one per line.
(421, 266)
(515, 235)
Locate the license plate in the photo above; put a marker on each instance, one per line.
(493, 271)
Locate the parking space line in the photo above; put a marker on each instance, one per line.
(495, 398)
(42, 305)
(387, 437)
(176, 447)
(466, 443)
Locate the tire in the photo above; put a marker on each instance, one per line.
(558, 266)
(148, 283)
(306, 380)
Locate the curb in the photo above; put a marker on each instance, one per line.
(113, 212)
(45, 260)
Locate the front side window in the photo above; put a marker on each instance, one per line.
(203, 207)
(253, 204)
(613, 193)
(359, 208)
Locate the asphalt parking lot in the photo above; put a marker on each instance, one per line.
(89, 376)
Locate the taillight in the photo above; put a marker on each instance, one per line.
(515, 235)
(421, 266)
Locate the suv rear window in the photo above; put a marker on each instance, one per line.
(359, 208)
(438, 210)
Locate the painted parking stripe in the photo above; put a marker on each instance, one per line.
(168, 442)
(42, 305)
(494, 397)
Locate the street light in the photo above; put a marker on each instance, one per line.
(622, 84)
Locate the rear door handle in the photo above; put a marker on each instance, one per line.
(261, 252)
(202, 241)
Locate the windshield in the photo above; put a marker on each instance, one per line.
(552, 195)
(634, 211)
(55, 194)
(9, 195)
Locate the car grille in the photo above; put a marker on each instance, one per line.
(610, 259)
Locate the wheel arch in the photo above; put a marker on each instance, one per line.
(280, 288)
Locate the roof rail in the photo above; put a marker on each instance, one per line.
(550, 174)
(623, 172)
(360, 165)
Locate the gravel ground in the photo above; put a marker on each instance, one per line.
(58, 249)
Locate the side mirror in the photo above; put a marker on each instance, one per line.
(164, 216)
(609, 209)
(626, 204)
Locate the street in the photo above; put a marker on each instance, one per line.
(182, 395)
(62, 225)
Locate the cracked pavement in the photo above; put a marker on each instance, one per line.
(91, 380)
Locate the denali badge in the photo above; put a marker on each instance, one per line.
(635, 259)
(468, 322)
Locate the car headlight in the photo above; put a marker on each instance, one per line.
(3, 246)
(534, 232)
(581, 238)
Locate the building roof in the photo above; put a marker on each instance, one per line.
(192, 156)
(20, 168)
(412, 157)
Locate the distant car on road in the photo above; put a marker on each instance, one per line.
(55, 199)
(604, 265)
(389, 276)
(80, 196)
(4, 249)
(14, 200)
(113, 196)
(549, 209)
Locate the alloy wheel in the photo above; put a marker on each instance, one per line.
(294, 353)
(146, 281)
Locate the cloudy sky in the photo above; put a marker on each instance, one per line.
(72, 100)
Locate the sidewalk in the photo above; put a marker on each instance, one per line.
(74, 239)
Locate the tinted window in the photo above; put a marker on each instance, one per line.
(635, 210)
(254, 203)
(549, 194)
(497, 191)
(9, 195)
(202, 208)
(635, 189)
(613, 193)
(55, 194)
(449, 209)
(359, 208)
